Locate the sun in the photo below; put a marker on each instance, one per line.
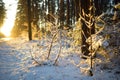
(8, 25)
(6, 29)
(11, 7)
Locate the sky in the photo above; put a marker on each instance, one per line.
(11, 6)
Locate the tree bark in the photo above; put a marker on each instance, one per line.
(68, 14)
(29, 20)
(61, 13)
(85, 5)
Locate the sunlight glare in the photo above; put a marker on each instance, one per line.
(10, 17)
(6, 39)
(6, 28)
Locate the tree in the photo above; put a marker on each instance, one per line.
(87, 11)
(77, 8)
(29, 20)
(61, 13)
(2, 12)
(68, 13)
(101, 6)
(21, 21)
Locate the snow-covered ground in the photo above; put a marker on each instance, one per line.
(16, 63)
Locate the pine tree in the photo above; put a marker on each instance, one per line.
(21, 21)
(2, 12)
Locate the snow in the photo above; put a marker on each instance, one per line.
(16, 62)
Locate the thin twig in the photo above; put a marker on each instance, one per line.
(59, 49)
(51, 45)
(34, 58)
(58, 55)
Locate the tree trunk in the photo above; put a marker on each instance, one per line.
(61, 13)
(68, 14)
(29, 20)
(85, 5)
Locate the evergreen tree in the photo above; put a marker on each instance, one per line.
(21, 22)
(61, 13)
(2, 12)
(21, 18)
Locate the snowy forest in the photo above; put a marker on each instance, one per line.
(60, 40)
